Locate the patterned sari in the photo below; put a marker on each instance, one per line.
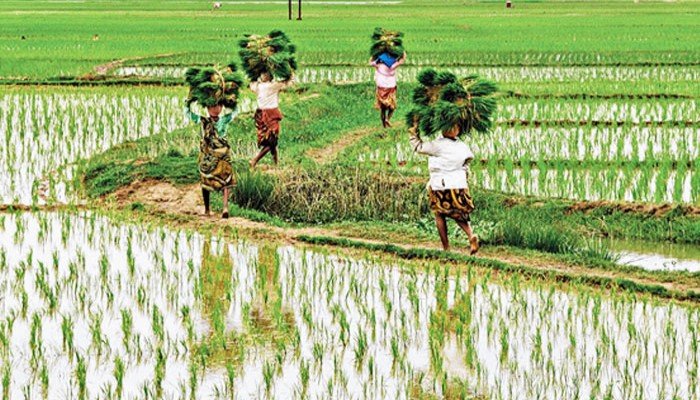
(454, 203)
(215, 171)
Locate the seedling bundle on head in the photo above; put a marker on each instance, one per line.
(387, 42)
(442, 101)
(272, 53)
(211, 87)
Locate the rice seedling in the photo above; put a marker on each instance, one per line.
(393, 318)
(105, 309)
(89, 121)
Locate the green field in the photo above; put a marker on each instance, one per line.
(327, 282)
(449, 32)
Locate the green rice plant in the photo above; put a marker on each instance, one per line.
(6, 380)
(157, 324)
(360, 348)
(304, 376)
(444, 101)
(118, 377)
(81, 377)
(96, 333)
(268, 376)
(272, 53)
(317, 352)
(193, 381)
(159, 374)
(44, 379)
(386, 41)
(67, 330)
(35, 341)
(209, 86)
(126, 327)
(230, 379)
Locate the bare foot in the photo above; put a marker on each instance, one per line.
(474, 244)
(387, 124)
(252, 164)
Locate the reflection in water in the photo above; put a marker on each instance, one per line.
(102, 308)
(657, 256)
(44, 132)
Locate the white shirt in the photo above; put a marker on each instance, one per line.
(268, 93)
(447, 162)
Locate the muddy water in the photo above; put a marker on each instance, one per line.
(359, 329)
(657, 256)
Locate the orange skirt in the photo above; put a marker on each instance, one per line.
(267, 122)
(386, 98)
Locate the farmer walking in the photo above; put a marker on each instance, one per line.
(448, 191)
(268, 115)
(214, 90)
(385, 78)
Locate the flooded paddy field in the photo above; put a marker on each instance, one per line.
(97, 309)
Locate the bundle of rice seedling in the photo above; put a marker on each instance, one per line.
(387, 42)
(210, 87)
(272, 53)
(443, 100)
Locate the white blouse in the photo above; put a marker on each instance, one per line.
(268, 93)
(447, 161)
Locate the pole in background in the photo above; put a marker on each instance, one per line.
(299, 17)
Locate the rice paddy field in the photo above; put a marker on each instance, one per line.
(327, 282)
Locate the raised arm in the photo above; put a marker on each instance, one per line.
(223, 122)
(399, 62)
(418, 145)
(192, 116)
(281, 85)
(469, 156)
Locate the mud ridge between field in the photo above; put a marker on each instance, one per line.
(103, 69)
(587, 96)
(570, 122)
(183, 204)
(326, 154)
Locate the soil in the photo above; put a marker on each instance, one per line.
(655, 210)
(163, 199)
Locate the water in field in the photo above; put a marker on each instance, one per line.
(614, 184)
(43, 132)
(657, 256)
(644, 185)
(586, 143)
(502, 74)
(92, 307)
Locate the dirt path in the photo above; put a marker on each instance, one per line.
(324, 155)
(103, 69)
(165, 199)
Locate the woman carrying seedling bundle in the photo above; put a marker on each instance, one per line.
(387, 55)
(452, 107)
(214, 90)
(268, 115)
(269, 62)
